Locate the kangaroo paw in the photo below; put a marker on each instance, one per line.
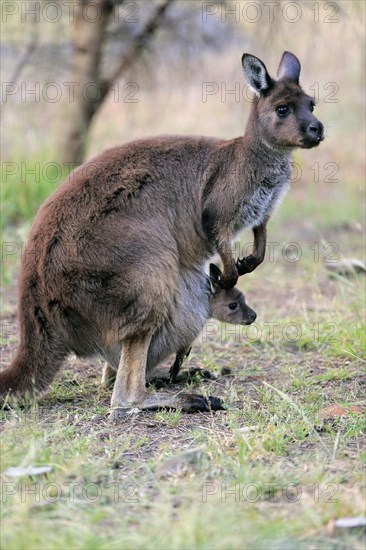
(247, 264)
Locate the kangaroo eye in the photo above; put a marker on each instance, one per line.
(233, 306)
(282, 110)
(312, 107)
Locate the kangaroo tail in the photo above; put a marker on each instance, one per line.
(27, 374)
(38, 358)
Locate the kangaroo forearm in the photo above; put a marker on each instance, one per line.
(219, 238)
(230, 272)
(249, 263)
(260, 241)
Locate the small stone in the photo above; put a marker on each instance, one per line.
(180, 465)
(336, 526)
(28, 471)
(247, 429)
(350, 523)
(346, 267)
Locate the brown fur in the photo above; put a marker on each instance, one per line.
(109, 249)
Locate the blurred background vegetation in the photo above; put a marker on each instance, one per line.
(168, 66)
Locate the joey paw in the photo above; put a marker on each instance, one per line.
(190, 374)
(159, 382)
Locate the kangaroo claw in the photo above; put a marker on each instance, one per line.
(247, 264)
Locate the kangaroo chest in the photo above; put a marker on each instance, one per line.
(259, 204)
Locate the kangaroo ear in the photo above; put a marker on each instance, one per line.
(289, 67)
(256, 73)
(215, 277)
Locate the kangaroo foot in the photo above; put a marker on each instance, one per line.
(190, 403)
(187, 402)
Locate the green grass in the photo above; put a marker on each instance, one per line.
(253, 489)
(25, 184)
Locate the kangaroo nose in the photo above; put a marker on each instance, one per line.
(316, 128)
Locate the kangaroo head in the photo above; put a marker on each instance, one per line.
(282, 113)
(228, 306)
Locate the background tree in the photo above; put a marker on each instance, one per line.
(89, 40)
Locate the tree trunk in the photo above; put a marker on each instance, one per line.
(85, 89)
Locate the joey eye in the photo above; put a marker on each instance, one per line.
(282, 111)
(233, 306)
(312, 107)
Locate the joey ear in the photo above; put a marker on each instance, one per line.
(256, 73)
(289, 67)
(215, 277)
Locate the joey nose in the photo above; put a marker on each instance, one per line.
(252, 316)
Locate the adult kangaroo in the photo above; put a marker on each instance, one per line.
(107, 250)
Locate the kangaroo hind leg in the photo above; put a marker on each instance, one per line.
(129, 388)
(130, 392)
